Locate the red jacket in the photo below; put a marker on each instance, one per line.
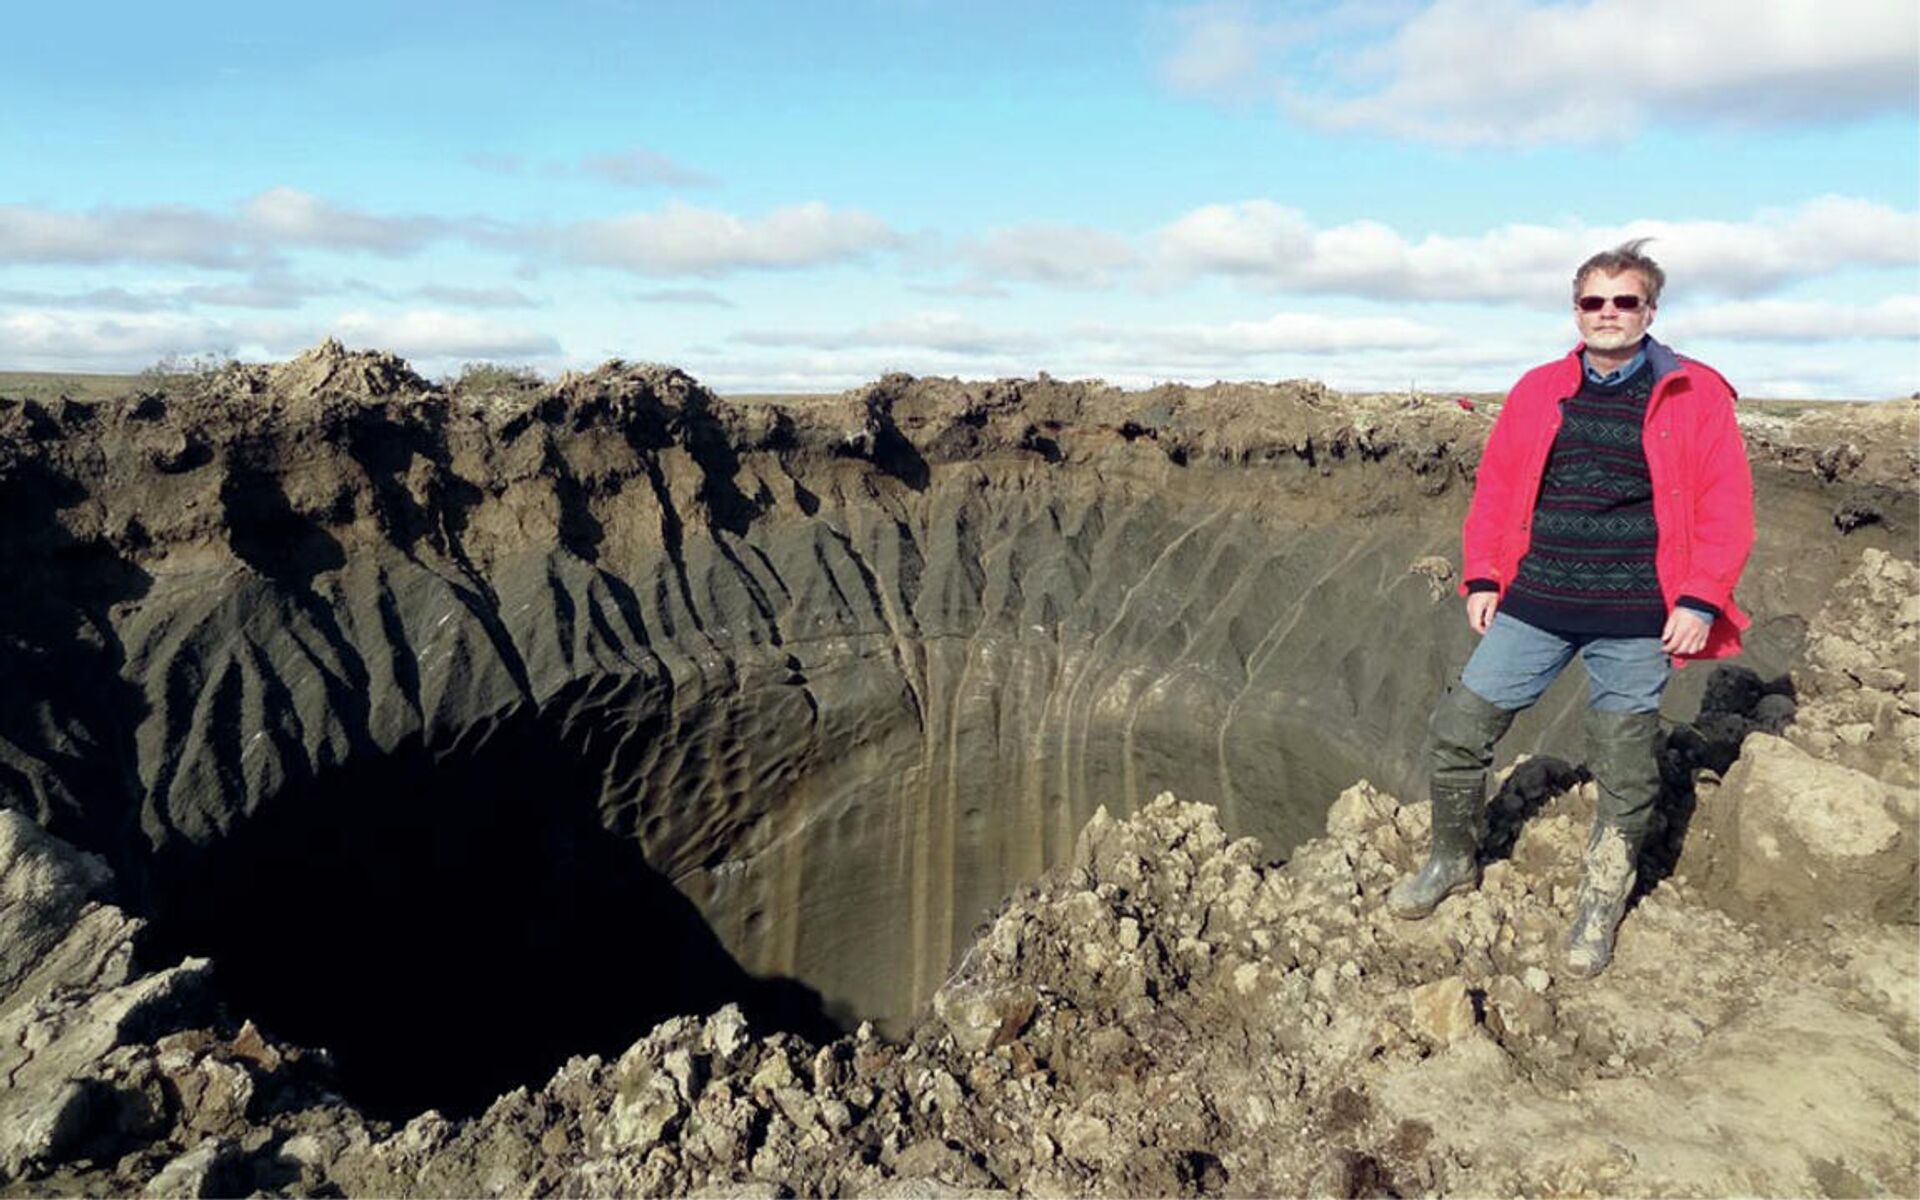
(1702, 487)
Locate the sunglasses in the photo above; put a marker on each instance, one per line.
(1596, 303)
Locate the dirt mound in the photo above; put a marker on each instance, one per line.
(331, 370)
(1860, 691)
(1877, 444)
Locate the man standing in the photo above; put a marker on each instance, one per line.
(1612, 515)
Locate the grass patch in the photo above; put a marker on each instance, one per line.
(49, 386)
(493, 383)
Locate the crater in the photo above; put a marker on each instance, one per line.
(450, 925)
(467, 735)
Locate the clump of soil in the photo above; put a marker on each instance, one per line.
(327, 370)
(1860, 692)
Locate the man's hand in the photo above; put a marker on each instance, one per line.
(1480, 606)
(1685, 633)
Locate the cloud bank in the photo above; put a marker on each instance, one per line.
(1896, 318)
(1532, 72)
(431, 339)
(675, 239)
(1271, 245)
(253, 235)
(680, 239)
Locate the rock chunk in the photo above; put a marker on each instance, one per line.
(1442, 1011)
(1789, 837)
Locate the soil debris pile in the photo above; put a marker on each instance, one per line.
(328, 370)
(1161, 1015)
(1871, 443)
(1860, 691)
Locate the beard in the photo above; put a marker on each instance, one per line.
(1613, 339)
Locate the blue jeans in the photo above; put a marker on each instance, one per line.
(1515, 663)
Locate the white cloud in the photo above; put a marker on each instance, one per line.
(1785, 368)
(1110, 355)
(819, 371)
(252, 236)
(679, 239)
(1271, 245)
(1046, 252)
(941, 342)
(111, 299)
(1896, 317)
(1809, 382)
(474, 297)
(56, 341)
(940, 333)
(270, 287)
(1281, 333)
(37, 340)
(1481, 361)
(427, 334)
(684, 298)
(971, 289)
(162, 233)
(1534, 71)
(635, 168)
(1477, 351)
(285, 216)
(1237, 50)
(1216, 51)
(1477, 366)
(643, 168)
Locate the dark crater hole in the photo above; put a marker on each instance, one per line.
(450, 925)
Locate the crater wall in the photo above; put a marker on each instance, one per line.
(845, 670)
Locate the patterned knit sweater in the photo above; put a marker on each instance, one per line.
(1589, 567)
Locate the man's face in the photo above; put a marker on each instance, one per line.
(1610, 328)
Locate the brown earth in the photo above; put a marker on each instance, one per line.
(470, 737)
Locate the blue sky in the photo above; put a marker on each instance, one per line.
(784, 197)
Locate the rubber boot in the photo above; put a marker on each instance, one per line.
(1453, 860)
(1621, 757)
(1462, 733)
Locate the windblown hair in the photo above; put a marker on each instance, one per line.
(1624, 257)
